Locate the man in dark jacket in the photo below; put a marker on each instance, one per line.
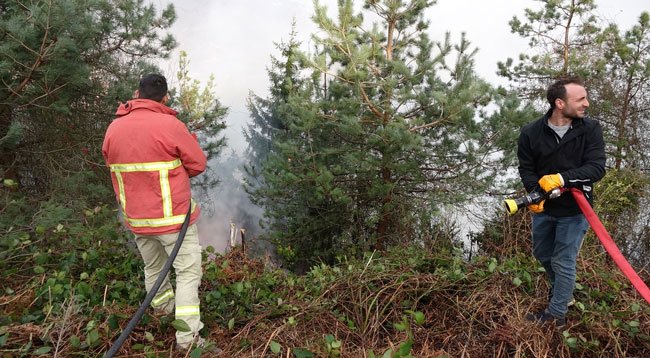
(564, 148)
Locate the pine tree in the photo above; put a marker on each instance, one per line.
(266, 119)
(65, 65)
(384, 135)
(621, 95)
(621, 100)
(562, 40)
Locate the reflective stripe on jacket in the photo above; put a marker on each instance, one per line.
(152, 155)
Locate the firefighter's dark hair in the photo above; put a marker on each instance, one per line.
(153, 86)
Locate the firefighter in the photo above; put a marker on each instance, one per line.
(152, 156)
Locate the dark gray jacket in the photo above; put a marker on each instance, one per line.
(579, 157)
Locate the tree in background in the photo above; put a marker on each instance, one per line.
(266, 121)
(384, 135)
(622, 103)
(622, 93)
(562, 38)
(64, 67)
(204, 115)
(268, 124)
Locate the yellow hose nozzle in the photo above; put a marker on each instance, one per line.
(511, 206)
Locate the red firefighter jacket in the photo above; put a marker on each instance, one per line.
(152, 156)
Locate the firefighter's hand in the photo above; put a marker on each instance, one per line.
(537, 208)
(550, 182)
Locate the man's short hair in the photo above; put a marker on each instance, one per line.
(153, 86)
(558, 89)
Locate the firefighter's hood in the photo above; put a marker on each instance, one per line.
(147, 104)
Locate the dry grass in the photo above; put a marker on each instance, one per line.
(467, 318)
(477, 315)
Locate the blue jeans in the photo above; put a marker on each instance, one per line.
(556, 243)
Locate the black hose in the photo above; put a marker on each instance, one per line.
(152, 292)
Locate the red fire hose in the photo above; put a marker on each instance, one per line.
(609, 245)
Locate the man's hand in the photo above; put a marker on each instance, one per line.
(537, 208)
(550, 182)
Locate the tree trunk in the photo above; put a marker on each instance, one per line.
(7, 155)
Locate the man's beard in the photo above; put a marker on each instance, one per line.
(573, 115)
